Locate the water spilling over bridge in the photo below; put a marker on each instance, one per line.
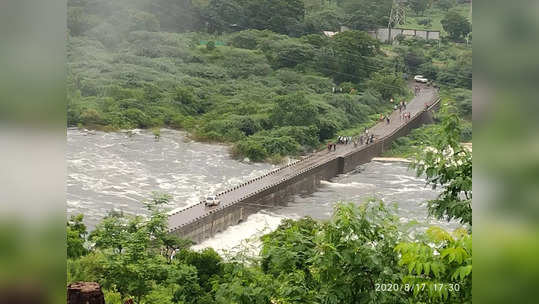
(199, 222)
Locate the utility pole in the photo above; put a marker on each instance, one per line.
(396, 16)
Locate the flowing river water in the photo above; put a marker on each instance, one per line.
(115, 171)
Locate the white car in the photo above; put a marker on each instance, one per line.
(420, 78)
(211, 201)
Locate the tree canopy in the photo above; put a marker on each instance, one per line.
(456, 25)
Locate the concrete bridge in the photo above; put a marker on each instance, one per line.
(198, 222)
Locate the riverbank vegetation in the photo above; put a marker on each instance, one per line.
(363, 253)
(227, 71)
(450, 66)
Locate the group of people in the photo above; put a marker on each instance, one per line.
(385, 118)
(344, 139)
(358, 140)
(406, 116)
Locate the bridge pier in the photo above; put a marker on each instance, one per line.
(304, 181)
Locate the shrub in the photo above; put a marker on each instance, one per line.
(210, 46)
(252, 149)
(425, 22)
(137, 118)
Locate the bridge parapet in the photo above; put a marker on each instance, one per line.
(271, 189)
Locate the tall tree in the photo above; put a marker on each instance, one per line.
(353, 53)
(456, 25)
(76, 237)
(447, 164)
(280, 16)
(418, 6)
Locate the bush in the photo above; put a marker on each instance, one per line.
(427, 22)
(91, 117)
(387, 85)
(252, 149)
(137, 118)
(210, 46)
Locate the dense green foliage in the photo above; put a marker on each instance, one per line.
(456, 25)
(342, 260)
(441, 264)
(450, 66)
(351, 258)
(418, 6)
(260, 75)
(448, 164)
(75, 236)
(139, 65)
(231, 87)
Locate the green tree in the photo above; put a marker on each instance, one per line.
(355, 250)
(207, 264)
(293, 110)
(366, 14)
(387, 84)
(448, 164)
(210, 46)
(279, 16)
(131, 248)
(456, 25)
(440, 264)
(413, 58)
(418, 6)
(76, 237)
(79, 21)
(335, 262)
(446, 4)
(353, 52)
(290, 54)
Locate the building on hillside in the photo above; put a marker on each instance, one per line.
(329, 33)
(385, 34)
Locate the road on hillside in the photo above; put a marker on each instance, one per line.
(232, 196)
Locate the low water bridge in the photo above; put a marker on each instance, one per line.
(198, 222)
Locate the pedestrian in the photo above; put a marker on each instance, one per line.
(404, 104)
(372, 138)
(334, 147)
(400, 108)
(395, 107)
(387, 120)
(329, 146)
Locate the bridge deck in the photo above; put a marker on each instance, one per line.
(232, 196)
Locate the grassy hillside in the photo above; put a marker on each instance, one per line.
(240, 92)
(435, 15)
(270, 93)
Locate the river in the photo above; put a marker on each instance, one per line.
(115, 171)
